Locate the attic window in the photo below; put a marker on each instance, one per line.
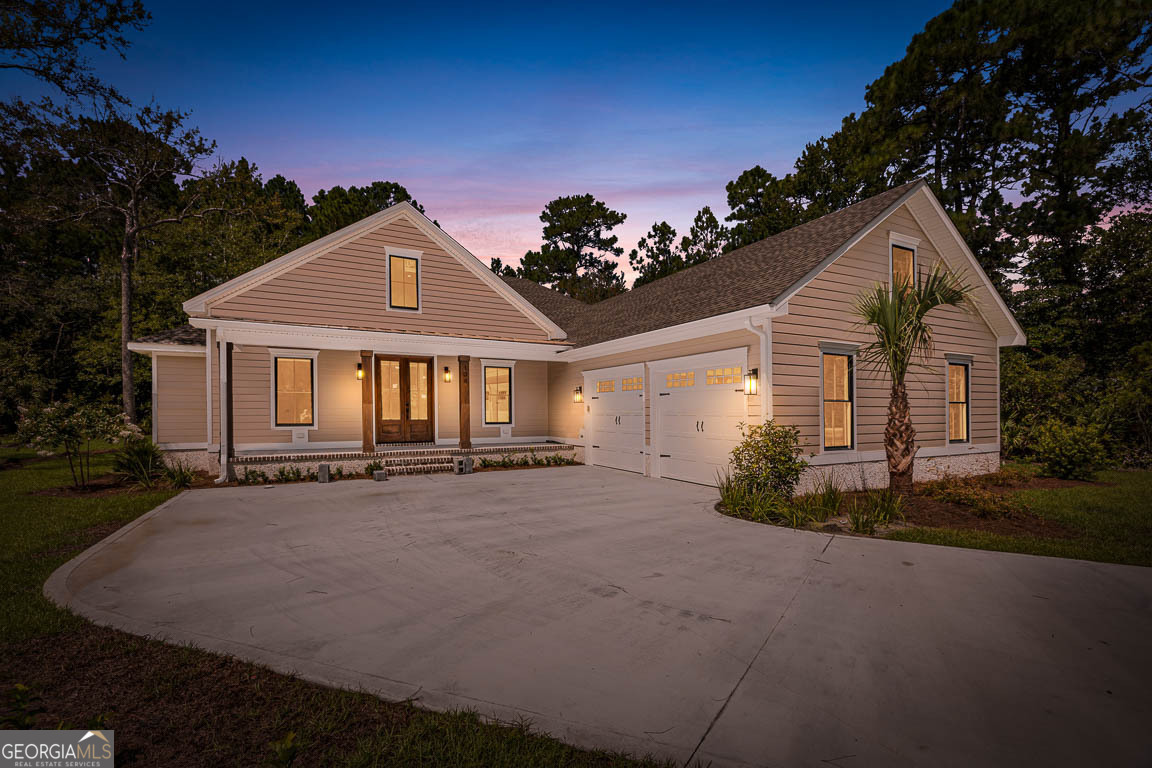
(403, 282)
(903, 266)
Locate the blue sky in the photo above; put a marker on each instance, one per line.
(485, 113)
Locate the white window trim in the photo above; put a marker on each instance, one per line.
(906, 241)
(406, 253)
(297, 353)
(965, 360)
(849, 350)
(511, 366)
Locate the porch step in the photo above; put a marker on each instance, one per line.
(418, 465)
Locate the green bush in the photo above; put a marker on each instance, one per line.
(884, 506)
(793, 515)
(139, 461)
(860, 518)
(968, 492)
(252, 477)
(811, 507)
(178, 475)
(373, 466)
(760, 505)
(1070, 451)
(768, 459)
(287, 474)
(829, 495)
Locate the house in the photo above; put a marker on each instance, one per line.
(389, 339)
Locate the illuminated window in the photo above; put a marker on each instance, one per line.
(632, 384)
(958, 418)
(723, 376)
(294, 392)
(608, 385)
(497, 394)
(681, 379)
(404, 284)
(837, 378)
(903, 266)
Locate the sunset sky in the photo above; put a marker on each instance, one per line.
(486, 112)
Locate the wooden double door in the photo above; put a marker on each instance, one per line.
(404, 401)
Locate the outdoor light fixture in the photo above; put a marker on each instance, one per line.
(447, 375)
(578, 395)
(360, 371)
(750, 381)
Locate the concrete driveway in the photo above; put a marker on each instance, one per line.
(622, 612)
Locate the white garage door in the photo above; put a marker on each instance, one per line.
(615, 417)
(698, 407)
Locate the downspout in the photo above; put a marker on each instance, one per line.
(764, 331)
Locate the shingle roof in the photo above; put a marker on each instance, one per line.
(746, 277)
(185, 334)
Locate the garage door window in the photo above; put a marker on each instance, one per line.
(723, 376)
(606, 385)
(837, 386)
(632, 384)
(681, 379)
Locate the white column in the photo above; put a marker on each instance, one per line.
(223, 367)
(208, 350)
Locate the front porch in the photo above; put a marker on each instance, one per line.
(407, 401)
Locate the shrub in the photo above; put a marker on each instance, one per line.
(1070, 451)
(884, 506)
(860, 518)
(287, 474)
(139, 461)
(794, 515)
(811, 507)
(373, 466)
(337, 472)
(178, 474)
(1010, 475)
(70, 427)
(759, 505)
(968, 492)
(768, 458)
(252, 477)
(829, 495)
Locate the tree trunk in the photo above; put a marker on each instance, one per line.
(900, 441)
(128, 391)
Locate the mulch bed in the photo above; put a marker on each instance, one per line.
(175, 706)
(932, 513)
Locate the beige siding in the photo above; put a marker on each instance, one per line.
(566, 418)
(822, 311)
(181, 403)
(252, 398)
(347, 287)
(339, 398)
(529, 399)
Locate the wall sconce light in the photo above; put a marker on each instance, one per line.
(751, 381)
(360, 371)
(447, 375)
(578, 395)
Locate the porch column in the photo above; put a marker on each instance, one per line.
(369, 443)
(465, 405)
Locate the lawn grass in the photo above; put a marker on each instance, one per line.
(180, 706)
(1112, 516)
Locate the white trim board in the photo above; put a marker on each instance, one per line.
(380, 342)
(183, 350)
(200, 305)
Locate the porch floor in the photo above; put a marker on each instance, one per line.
(422, 450)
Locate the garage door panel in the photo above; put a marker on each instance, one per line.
(616, 437)
(696, 427)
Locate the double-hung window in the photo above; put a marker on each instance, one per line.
(497, 394)
(903, 266)
(403, 282)
(838, 415)
(959, 388)
(295, 401)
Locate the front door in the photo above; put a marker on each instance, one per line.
(403, 399)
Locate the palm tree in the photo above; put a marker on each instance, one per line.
(903, 340)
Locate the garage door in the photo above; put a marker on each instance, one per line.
(615, 417)
(698, 407)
